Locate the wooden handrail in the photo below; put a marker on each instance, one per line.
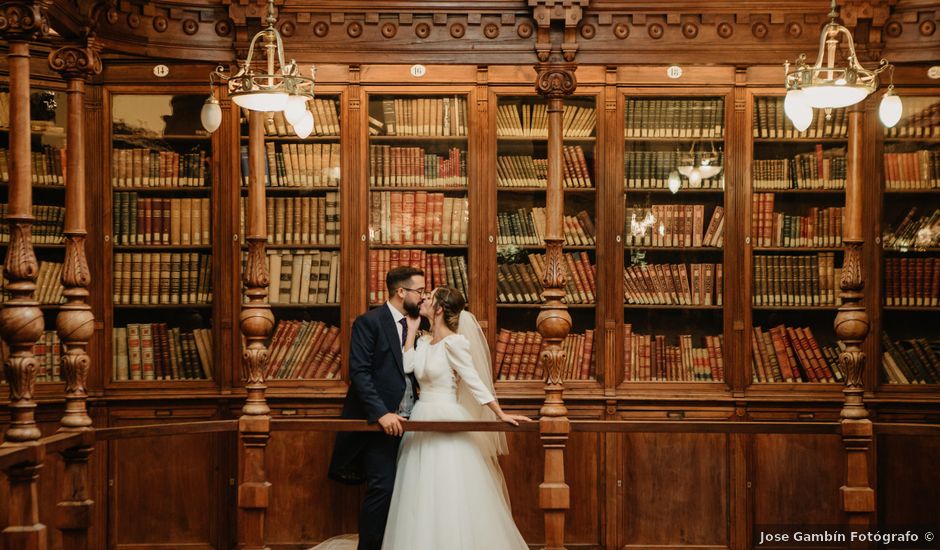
(163, 430)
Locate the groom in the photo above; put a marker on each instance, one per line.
(379, 391)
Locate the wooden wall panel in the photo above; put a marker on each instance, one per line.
(524, 470)
(908, 480)
(676, 490)
(165, 492)
(795, 479)
(305, 506)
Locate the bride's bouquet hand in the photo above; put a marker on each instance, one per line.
(514, 419)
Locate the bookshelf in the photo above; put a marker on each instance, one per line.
(521, 123)
(909, 348)
(302, 187)
(161, 242)
(797, 197)
(674, 214)
(47, 129)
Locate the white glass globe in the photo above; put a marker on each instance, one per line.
(695, 178)
(304, 126)
(802, 118)
(890, 109)
(295, 109)
(674, 181)
(211, 114)
(793, 102)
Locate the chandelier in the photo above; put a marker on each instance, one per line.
(267, 85)
(694, 166)
(828, 85)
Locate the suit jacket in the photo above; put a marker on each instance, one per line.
(376, 387)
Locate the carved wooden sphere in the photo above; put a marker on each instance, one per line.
(851, 325)
(76, 325)
(256, 322)
(554, 323)
(21, 324)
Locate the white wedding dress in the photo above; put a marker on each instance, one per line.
(449, 490)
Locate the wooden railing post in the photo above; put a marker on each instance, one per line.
(21, 321)
(851, 325)
(257, 324)
(76, 322)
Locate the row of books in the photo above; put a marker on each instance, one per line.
(674, 117)
(145, 221)
(805, 280)
(154, 351)
(298, 164)
(521, 283)
(299, 220)
(915, 361)
(419, 116)
(651, 170)
(304, 350)
(913, 231)
(418, 217)
(673, 284)
(325, 115)
(792, 355)
(526, 226)
(922, 120)
(816, 170)
(673, 225)
(531, 120)
(49, 287)
(649, 358)
(142, 167)
(439, 270)
(302, 276)
(528, 171)
(48, 166)
(48, 353)
(48, 223)
(517, 356)
(416, 167)
(914, 170)
(819, 227)
(912, 282)
(770, 121)
(162, 278)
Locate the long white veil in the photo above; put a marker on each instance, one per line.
(494, 443)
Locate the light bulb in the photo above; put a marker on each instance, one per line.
(304, 126)
(889, 111)
(211, 114)
(674, 182)
(295, 109)
(695, 178)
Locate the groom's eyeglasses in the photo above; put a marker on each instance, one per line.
(421, 292)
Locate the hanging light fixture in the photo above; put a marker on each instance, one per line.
(266, 85)
(826, 85)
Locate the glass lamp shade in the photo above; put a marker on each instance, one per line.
(295, 109)
(211, 114)
(890, 109)
(793, 103)
(834, 96)
(674, 181)
(695, 178)
(802, 117)
(261, 101)
(709, 170)
(304, 126)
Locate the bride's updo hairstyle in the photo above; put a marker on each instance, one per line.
(452, 302)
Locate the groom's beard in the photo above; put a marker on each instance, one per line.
(413, 310)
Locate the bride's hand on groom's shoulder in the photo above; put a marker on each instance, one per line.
(515, 419)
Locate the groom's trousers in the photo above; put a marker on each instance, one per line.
(379, 458)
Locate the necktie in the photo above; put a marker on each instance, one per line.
(404, 330)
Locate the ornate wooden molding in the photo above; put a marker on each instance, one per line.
(556, 79)
(75, 61)
(567, 11)
(23, 19)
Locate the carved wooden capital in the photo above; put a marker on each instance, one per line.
(555, 79)
(23, 19)
(74, 61)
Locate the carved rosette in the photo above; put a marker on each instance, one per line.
(257, 323)
(74, 61)
(555, 79)
(23, 20)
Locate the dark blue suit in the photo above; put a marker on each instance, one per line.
(377, 385)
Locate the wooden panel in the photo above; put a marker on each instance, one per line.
(305, 507)
(676, 490)
(164, 492)
(796, 479)
(908, 480)
(524, 470)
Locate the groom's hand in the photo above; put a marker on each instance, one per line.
(391, 424)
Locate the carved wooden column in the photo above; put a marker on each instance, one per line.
(21, 321)
(76, 322)
(851, 324)
(257, 323)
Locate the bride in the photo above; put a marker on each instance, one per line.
(449, 489)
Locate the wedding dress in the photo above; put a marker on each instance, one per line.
(449, 490)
